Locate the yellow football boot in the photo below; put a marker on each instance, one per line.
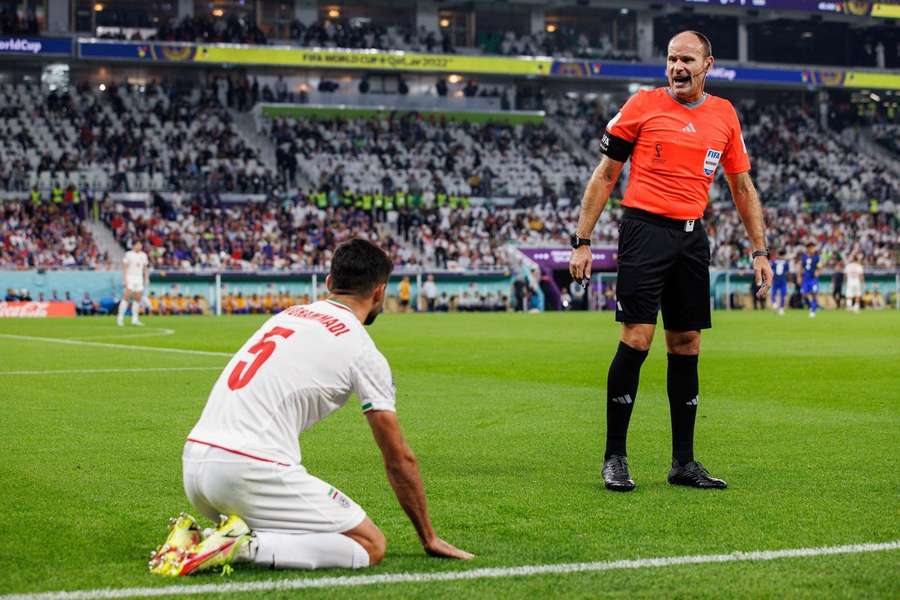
(184, 536)
(219, 549)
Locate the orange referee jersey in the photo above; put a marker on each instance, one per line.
(676, 150)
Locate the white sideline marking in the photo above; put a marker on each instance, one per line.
(124, 370)
(493, 573)
(159, 332)
(35, 338)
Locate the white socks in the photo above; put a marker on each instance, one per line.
(123, 306)
(306, 551)
(135, 309)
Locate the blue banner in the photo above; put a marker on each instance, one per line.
(35, 46)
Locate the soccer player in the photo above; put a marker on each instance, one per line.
(242, 459)
(676, 138)
(781, 269)
(135, 274)
(404, 294)
(809, 282)
(855, 278)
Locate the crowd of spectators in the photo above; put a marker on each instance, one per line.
(427, 155)
(363, 34)
(299, 234)
(874, 237)
(14, 22)
(562, 42)
(232, 29)
(797, 161)
(129, 138)
(888, 135)
(45, 237)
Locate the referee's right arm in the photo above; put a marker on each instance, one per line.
(596, 195)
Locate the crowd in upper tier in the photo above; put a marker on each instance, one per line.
(126, 138)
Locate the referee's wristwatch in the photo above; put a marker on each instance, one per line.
(577, 242)
(758, 253)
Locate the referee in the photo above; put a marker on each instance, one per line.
(676, 137)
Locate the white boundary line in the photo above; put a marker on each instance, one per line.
(79, 371)
(50, 340)
(150, 332)
(492, 573)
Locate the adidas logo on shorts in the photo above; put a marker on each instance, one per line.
(625, 400)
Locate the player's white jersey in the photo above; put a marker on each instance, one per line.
(854, 273)
(135, 262)
(298, 368)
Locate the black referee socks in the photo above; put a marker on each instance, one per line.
(621, 390)
(684, 394)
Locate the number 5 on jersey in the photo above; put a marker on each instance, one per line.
(263, 350)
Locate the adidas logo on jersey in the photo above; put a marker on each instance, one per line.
(689, 128)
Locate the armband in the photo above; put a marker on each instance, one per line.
(615, 147)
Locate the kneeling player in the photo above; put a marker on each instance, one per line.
(242, 459)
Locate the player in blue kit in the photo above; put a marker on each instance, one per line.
(781, 269)
(809, 263)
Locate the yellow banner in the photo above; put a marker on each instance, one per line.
(878, 81)
(886, 11)
(373, 60)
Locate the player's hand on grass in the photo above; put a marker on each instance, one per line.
(580, 263)
(441, 549)
(762, 272)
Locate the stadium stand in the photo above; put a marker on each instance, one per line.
(45, 237)
(14, 22)
(888, 134)
(358, 34)
(125, 139)
(428, 156)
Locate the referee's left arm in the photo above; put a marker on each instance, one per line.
(746, 200)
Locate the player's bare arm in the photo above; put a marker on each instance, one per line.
(596, 195)
(746, 200)
(403, 475)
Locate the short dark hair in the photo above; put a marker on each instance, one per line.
(358, 266)
(707, 46)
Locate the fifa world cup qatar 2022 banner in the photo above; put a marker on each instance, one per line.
(90, 48)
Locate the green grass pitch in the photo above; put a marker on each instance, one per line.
(505, 414)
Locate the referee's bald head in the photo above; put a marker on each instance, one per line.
(704, 41)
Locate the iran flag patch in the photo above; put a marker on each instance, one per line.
(711, 161)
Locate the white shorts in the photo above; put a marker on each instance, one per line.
(134, 284)
(268, 496)
(853, 290)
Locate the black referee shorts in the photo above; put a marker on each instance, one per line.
(663, 265)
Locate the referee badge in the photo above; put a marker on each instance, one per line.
(711, 161)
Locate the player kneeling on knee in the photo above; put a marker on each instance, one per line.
(242, 460)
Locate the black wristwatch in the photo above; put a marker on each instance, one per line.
(758, 253)
(577, 242)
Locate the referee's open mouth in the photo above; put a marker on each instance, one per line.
(681, 80)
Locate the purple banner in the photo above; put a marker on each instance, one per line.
(553, 258)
